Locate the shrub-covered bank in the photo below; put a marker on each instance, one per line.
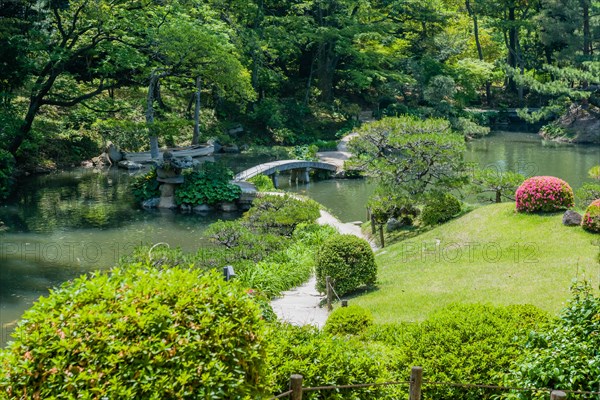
(271, 247)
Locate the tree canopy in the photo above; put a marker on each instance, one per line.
(290, 72)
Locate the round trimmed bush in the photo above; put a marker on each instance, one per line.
(591, 218)
(139, 333)
(544, 194)
(350, 320)
(440, 209)
(348, 260)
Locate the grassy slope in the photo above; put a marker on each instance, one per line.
(491, 255)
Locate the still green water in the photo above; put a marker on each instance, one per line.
(65, 224)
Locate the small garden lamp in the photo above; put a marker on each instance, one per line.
(228, 272)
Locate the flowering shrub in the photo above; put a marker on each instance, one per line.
(591, 219)
(544, 193)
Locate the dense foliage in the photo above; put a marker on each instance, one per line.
(463, 343)
(591, 218)
(349, 320)
(440, 208)
(267, 262)
(544, 194)
(281, 214)
(139, 333)
(324, 360)
(348, 260)
(589, 191)
(565, 354)
(145, 186)
(208, 184)
(469, 343)
(288, 73)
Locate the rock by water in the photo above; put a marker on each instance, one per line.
(581, 125)
(129, 165)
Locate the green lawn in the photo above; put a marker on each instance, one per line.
(490, 255)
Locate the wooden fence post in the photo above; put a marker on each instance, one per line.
(329, 293)
(416, 379)
(373, 224)
(296, 386)
(558, 395)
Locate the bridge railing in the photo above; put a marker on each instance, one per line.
(281, 164)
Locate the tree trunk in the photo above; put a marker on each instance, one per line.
(326, 68)
(309, 83)
(488, 94)
(256, 50)
(587, 42)
(512, 39)
(154, 151)
(196, 136)
(35, 103)
(498, 196)
(381, 238)
(512, 48)
(25, 128)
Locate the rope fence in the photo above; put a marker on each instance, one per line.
(415, 386)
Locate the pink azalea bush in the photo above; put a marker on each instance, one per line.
(544, 193)
(591, 218)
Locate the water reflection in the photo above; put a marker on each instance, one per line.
(528, 154)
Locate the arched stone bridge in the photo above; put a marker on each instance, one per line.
(274, 167)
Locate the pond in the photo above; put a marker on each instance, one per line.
(523, 152)
(65, 224)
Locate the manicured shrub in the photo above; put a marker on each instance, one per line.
(262, 182)
(466, 343)
(281, 214)
(563, 355)
(591, 218)
(350, 320)
(348, 260)
(139, 333)
(544, 194)
(440, 208)
(325, 360)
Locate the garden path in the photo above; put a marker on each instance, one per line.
(301, 305)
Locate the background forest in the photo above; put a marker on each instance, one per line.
(78, 73)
